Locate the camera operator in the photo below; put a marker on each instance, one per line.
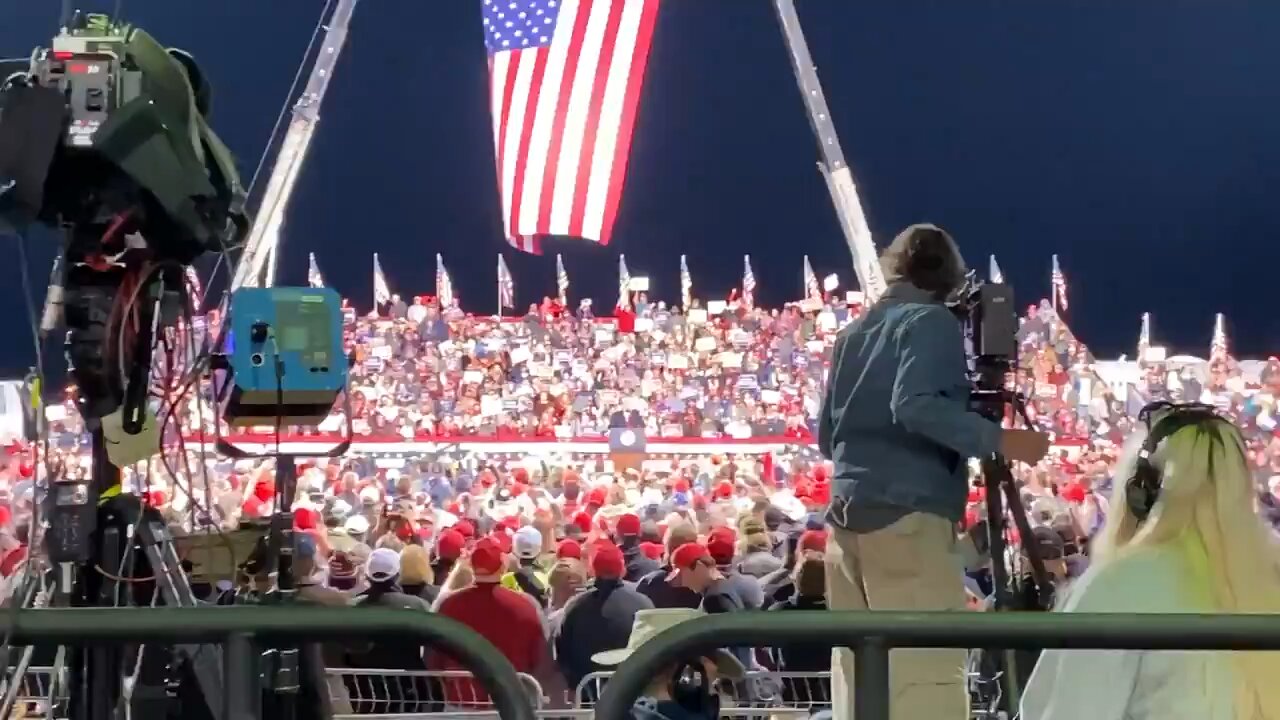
(897, 424)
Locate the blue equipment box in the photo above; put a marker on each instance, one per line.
(285, 352)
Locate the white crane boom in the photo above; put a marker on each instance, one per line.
(264, 235)
(844, 193)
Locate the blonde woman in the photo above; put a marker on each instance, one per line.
(1182, 537)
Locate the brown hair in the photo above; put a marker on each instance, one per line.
(925, 256)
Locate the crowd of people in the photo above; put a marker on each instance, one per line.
(554, 556)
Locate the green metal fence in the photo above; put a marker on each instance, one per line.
(872, 634)
(237, 628)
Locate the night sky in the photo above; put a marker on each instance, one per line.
(1137, 140)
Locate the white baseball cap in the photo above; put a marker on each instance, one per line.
(357, 525)
(383, 564)
(527, 543)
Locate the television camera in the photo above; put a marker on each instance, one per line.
(105, 138)
(989, 315)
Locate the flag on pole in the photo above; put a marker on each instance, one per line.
(811, 287)
(506, 285)
(993, 272)
(624, 283)
(565, 80)
(1218, 347)
(444, 286)
(686, 285)
(314, 278)
(381, 292)
(562, 281)
(1144, 337)
(748, 282)
(1059, 286)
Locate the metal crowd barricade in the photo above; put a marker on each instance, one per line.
(34, 696)
(872, 634)
(237, 628)
(416, 693)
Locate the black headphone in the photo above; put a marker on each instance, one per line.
(1143, 489)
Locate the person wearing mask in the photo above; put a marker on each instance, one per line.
(598, 619)
(896, 422)
(416, 578)
(503, 617)
(627, 534)
(687, 688)
(1182, 537)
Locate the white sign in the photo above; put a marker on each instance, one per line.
(830, 282)
(638, 284)
(715, 307)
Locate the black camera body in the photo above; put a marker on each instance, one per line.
(107, 127)
(990, 317)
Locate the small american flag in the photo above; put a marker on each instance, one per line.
(506, 285)
(686, 284)
(381, 292)
(1059, 282)
(314, 278)
(562, 281)
(748, 282)
(624, 283)
(1144, 337)
(444, 286)
(565, 80)
(811, 287)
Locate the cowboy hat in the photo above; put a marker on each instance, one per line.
(650, 623)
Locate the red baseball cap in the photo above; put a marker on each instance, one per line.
(651, 550)
(813, 541)
(720, 549)
(569, 548)
(449, 545)
(487, 559)
(724, 490)
(607, 562)
(628, 525)
(687, 556)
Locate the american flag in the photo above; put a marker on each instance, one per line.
(506, 285)
(565, 80)
(381, 292)
(1059, 282)
(624, 283)
(686, 284)
(444, 286)
(748, 282)
(811, 287)
(314, 278)
(562, 281)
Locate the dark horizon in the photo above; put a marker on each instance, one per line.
(1132, 140)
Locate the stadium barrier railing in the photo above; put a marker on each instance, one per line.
(872, 634)
(238, 628)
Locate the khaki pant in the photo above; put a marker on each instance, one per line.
(910, 565)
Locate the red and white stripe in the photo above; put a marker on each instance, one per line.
(562, 120)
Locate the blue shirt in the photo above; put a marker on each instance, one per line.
(896, 419)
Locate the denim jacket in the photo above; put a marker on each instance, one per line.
(896, 419)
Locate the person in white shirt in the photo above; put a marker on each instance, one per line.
(1182, 537)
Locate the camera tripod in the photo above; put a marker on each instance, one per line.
(1002, 492)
